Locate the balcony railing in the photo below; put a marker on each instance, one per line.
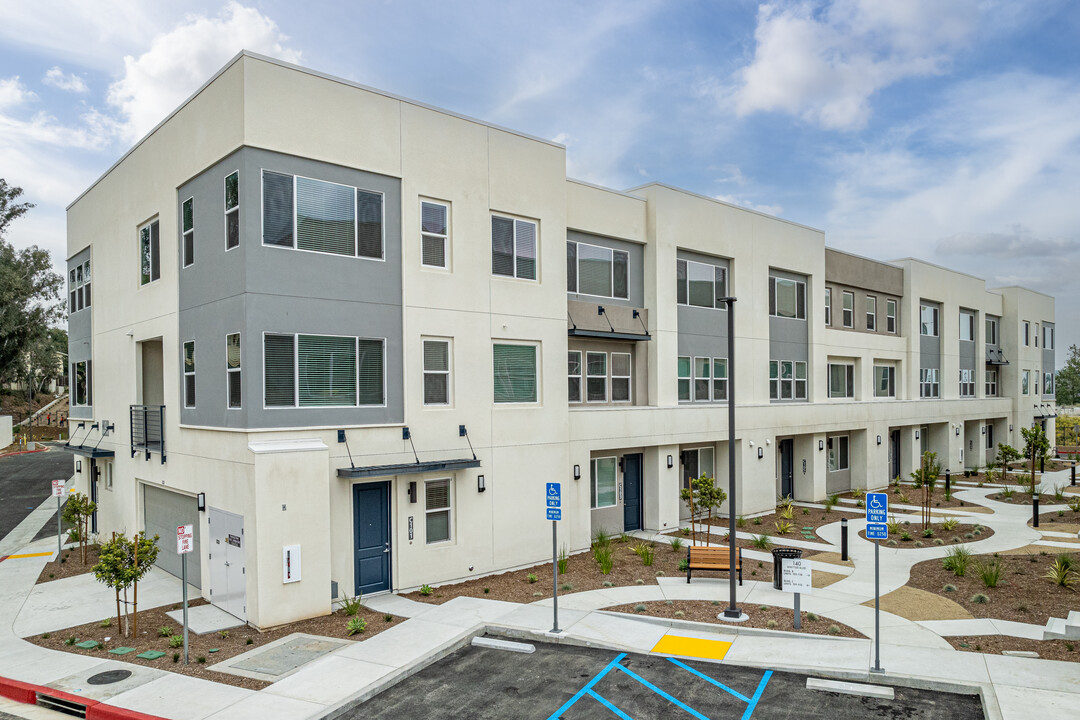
(148, 430)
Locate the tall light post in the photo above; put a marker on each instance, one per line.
(732, 612)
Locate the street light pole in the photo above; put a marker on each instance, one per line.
(732, 612)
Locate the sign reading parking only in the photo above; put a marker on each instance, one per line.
(877, 507)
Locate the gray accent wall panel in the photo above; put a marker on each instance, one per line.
(637, 269)
(702, 331)
(967, 348)
(80, 334)
(789, 338)
(930, 346)
(1048, 358)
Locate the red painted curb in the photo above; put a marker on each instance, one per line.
(95, 710)
(24, 452)
(101, 711)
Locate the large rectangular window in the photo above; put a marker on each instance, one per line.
(187, 230)
(82, 384)
(841, 380)
(598, 271)
(603, 482)
(967, 327)
(596, 377)
(149, 253)
(434, 234)
(700, 284)
(787, 380)
(514, 369)
(928, 383)
(320, 216)
(928, 320)
(991, 383)
(890, 316)
(232, 370)
(849, 309)
(884, 381)
(828, 306)
(322, 371)
(967, 382)
(513, 247)
(837, 446)
(232, 210)
(573, 376)
(871, 312)
(189, 374)
(685, 377)
(437, 509)
(79, 288)
(697, 462)
(991, 331)
(436, 372)
(787, 298)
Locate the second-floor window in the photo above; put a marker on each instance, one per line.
(1048, 383)
(1025, 382)
(991, 331)
(1048, 338)
(573, 375)
(513, 248)
(232, 370)
(700, 284)
(436, 372)
(991, 383)
(606, 377)
(703, 379)
(849, 309)
(189, 374)
(871, 312)
(828, 306)
(434, 234)
(884, 381)
(232, 210)
(841, 380)
(967, 327)
(1027, 333)
(79, 287)
(928, 383)
(149, 251)
(787, 380)
(890, 316)
(187, 229)
(323, 370)
(598, 271)
(320, 216)
(596, 377)
(82, 381)
(928, 320)
(967, 382)
(514, 368)
(787, 298)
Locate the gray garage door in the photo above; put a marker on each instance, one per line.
(164, 511)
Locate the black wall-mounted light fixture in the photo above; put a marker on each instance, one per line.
(405, 434)
(878, 439)
(957, 431)
(78, 466)
(200, 500)
(577, 472)
(341, 436)
(1010, 428)
(984, 430)
(820, 444)
(480, 487)
(760, 452)
(412, 491)
(916, 434)
(670, 462)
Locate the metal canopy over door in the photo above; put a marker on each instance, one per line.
(632, 481)
(787, 468)
(371, 516)
(228, 579)
(163, 512)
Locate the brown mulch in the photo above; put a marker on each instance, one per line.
(914, 496)
(1022, 595)
(1064, 521)
(1066, 650)
(949, 536)
(70, 564)
(760, 615)
(583, 573)
(239, 640)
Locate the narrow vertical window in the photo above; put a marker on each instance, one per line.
(828, 306)
(232, 369)
(871, 312)
(786, 379)
(434, 234)
(596, 377)
(437, 511)
(800, 380)
(188, 231)
(232, 210)
(86, 283)
(603, 483)
(849, 309)
(684, 370)
(149, 247)
(436, 372)
(189, 374)
(702, 375)
(720, 379)
(774, 380)
(890, 316)
(573, 376)
(369, 224)
(620, 377)
(73, 286)
(681, 293)
(279, 370)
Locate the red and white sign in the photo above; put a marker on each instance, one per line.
(185, 539)
(58, 488)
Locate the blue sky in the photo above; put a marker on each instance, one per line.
(942, 129)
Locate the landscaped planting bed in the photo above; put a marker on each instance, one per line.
(1068, 650)
(1022, 593)
(910, 534)
(907, 494)
(70, 564)
(228, 644)
(760, 616)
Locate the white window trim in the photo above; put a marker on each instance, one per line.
(538, 370)
(849, 393)
(536, 248)
(689, 378)
(795, 381)
(937, 320)
(449, 510)
(892, 372)
(580, 377)
(628, 377)
(991, 385)
(967, 320)
(183, 235)
(74, 379)
(829, 440)
(611, 251)
(424, 372)
(138, 238)
(1025, 382)
(75, 285)
(607, 372)
(238, 370)
(844, 319)
(225, 216)
(296, 372)
(890, 317)
(929, 384)
(1026, 337)
(356, 219)
(871, 317)
(967, 383)
(800, 289)
(712, 267)
(828, 307)
(444, 237)
(183, 358)
(594, 480)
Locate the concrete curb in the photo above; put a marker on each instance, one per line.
(730, 629)
(27, 693)
(23, 452)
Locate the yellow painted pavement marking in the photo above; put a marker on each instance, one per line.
(26, 555)
(692, 647)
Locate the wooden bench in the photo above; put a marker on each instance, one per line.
(699, 557)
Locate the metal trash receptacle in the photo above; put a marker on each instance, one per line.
(778, 555)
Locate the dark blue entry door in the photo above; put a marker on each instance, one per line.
(371, 513)
(631, 492)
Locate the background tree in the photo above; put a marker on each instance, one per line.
(1006, 454)
(1036, 445)
(122, 562)
(1067, 381)
(41, 361)
(30, 292)
(704, 497)
(77, 513)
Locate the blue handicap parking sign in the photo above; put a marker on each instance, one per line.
(877, 531)
(553, 495)
(554, 513)
(877, 507)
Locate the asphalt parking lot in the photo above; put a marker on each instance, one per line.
(26, 481)
(574, 683)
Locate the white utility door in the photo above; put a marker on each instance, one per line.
(228, 581)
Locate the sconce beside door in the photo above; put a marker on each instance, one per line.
(670, 462)
(577, 472)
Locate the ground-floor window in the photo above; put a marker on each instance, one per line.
(697, 462)
(837, 447)
(603, 483)
(437, 507)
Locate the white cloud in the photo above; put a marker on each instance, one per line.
(179, 61)
(774, 209)
(69, 83)
(13, 93)
(823, 64)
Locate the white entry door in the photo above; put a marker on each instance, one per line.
(228, 580)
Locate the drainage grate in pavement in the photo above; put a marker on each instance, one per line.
(109, 677)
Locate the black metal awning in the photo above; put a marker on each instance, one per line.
(994, 356)
(413, 468)
(607, 335)
(88, 451)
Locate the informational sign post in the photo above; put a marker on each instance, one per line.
(877, 517)
(58, 493)
(796, 576)
(185, 543)
(553, 503)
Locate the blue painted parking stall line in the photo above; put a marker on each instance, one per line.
(750, 701)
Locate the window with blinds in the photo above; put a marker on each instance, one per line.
(436, 372)
(232, 210)
(322, 371)
(189, 374)
(513, 247)
(434, 234)
(232, 370)
(321, 216)
(598, 271)
(514, 368)
(187, 230)
(437, 508)
(326, 370)
(279, 370)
